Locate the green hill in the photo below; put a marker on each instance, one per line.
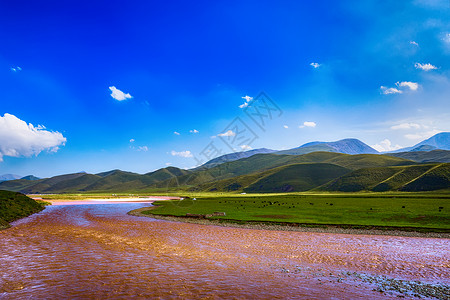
(442, 156)
(14, 206)
(296, 177)
(174, 178)
(264, 162)
(428, 177)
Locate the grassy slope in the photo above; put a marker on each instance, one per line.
(425, 210)
(264, 162)
(173, 178)
(296, 177)
(14, 206)
(425, 156)
(403, 178)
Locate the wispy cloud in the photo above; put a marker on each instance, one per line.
(446, 38)
(142, 148)
(413, 86)
(388, 91)
(386, 145)
(228, 133)
(308, 124)
(422, 135)
(248, 99)
(193, 131)
(118, 94)
(414, 43)
(285, 126)
(425, 67)
(406, 126)
(246, 147)
(315, 65)
(16, 69)
(176, 133)
(185, 153)
(132, 141)
(17, 138)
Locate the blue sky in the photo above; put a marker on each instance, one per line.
(139, 85)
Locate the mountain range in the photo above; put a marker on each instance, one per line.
(346, 165)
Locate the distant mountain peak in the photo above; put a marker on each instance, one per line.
(438, 141)
(234, 156)
(346, 146)
(7, 177)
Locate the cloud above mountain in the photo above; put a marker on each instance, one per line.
(18, 138)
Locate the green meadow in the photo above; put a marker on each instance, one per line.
(425, 211)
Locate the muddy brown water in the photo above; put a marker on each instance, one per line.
(97, 251)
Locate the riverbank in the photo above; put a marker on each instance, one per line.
(290, 227)
(14, 206)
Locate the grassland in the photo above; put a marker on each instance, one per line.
(406, 211)
(14, 206)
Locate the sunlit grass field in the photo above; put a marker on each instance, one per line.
(426, 210)
(416, 210)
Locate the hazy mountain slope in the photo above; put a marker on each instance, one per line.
(440, 141)
(346, 146)
(30, 177)
(6, 177)
(232, 157)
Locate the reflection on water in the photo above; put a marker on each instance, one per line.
(97, 251)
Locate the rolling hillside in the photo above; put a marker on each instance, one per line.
(427, 177)
(425, 156)
(257, 173)
(14, 206)
(232, 157)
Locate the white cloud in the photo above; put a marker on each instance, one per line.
(425, 67)
(285, 126)
(314, 65)
(176, 133)
(132, 141)
(143, 148)
(308, 124)
(248, 99)
(118, 94)
(387, 91)
(413, 86)
(228, 133)
(17, 138)
(423, 135)
(16, 69)
(193, 131)
(414, 43)
(245, 104)
(386, 145)
(246, 147)
(406, 126)
(186, 153)
(446, 38)
(168, 164)
(413, 136)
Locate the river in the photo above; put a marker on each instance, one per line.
(95, 250)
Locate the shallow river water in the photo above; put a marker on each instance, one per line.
(98, 251)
